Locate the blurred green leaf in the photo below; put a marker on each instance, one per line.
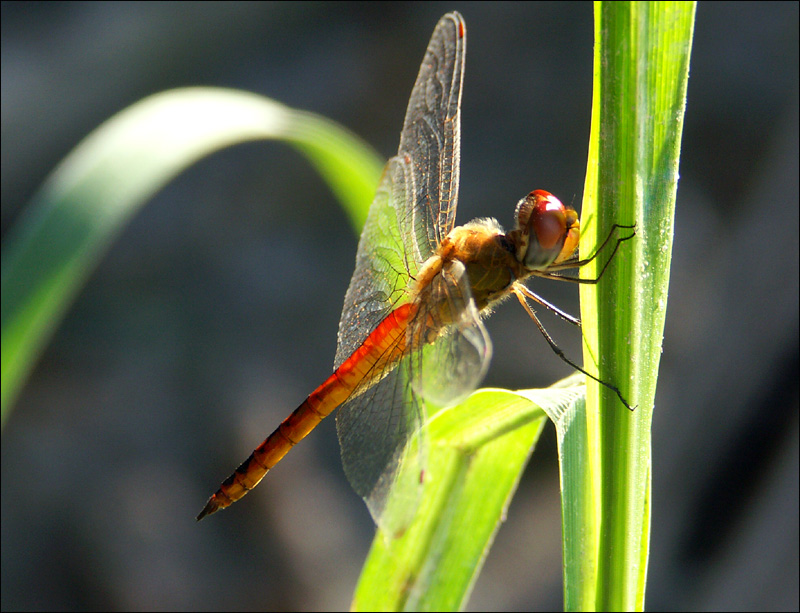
(83, 205)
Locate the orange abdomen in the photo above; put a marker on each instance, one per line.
(380, 350)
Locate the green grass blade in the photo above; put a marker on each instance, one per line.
(477, 453)
(84, 204)
(642, 52)
(605, 464)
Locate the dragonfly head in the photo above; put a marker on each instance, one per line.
(547, 232)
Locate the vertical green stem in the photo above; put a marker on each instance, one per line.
(640, 71)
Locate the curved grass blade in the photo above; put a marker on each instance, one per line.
(86, 201)
(477, 453)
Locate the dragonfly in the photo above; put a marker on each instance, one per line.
(411, 331)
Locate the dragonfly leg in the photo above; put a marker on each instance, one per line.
(557, 350)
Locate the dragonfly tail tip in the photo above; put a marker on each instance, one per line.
(211, 507)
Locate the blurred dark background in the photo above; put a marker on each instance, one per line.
(216, 311)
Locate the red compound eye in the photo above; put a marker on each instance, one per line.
(549, 229)
(549, 221)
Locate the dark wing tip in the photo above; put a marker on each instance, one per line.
(457, 21)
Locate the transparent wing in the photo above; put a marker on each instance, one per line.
(431, 136)
(447, 370)
(415, 204)
(414, 208)
(374, 429)
(380, 431)
(383, 268)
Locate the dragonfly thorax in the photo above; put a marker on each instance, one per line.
(488, 260)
